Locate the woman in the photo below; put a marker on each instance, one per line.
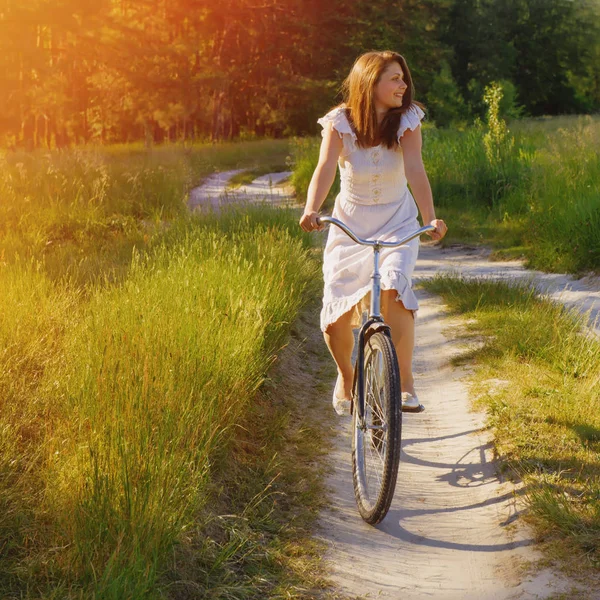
(375, 139)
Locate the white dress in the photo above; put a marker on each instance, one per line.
(375, 202)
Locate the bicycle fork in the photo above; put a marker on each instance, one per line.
(373, 324)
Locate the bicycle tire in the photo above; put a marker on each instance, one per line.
(376, 442)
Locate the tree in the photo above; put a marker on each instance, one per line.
(121, 70)
(444, 98)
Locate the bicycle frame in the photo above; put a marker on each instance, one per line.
(375, 321)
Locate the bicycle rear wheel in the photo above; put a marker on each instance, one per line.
(377, 436)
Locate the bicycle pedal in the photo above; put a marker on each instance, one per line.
(414, 410)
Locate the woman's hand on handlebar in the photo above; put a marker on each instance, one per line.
(440, 229)
(309, 221)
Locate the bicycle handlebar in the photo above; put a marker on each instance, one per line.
(378, 243)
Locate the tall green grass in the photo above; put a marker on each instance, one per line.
(532, 191)
(543, 201)
(565, 199)
(538, 377)
(118, 406)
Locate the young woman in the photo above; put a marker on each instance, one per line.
(375, 139)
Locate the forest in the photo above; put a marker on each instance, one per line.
(117, 71)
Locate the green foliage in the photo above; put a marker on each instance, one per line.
(158, 382)
(120, 402)
(533, 193)
(565, 202)
(508, 106)
(545, 48)
(82, 211)
(497, 141)
(131, 358)
(189, 70)
(444, 99)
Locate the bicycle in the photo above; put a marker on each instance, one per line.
(376, 397)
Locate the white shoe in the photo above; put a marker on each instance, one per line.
(340, 405)
(410, 403)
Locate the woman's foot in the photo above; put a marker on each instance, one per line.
(341, 404)
(410, 402)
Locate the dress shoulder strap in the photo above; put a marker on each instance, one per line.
(339, 121)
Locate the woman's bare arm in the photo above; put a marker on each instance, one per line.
(412, 143)
(322, 178)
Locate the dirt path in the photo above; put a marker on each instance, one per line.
(214, 193)
(453, 529)
(582, 294)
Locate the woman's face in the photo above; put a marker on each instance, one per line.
(390, 88)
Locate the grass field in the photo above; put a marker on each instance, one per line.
(538, 377)
(134, 339)
(82, 211)
(534, 192)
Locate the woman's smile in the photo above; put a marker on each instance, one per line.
(390, 88)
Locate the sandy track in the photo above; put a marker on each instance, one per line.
(582, 294)
(453, 529)
(214, 193)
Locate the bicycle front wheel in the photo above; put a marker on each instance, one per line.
(377, 434)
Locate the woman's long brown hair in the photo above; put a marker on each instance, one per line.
(359, 99)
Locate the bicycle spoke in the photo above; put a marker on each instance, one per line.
(375, 423)
(374, 470)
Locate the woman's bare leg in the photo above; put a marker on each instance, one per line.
(402, 323)
(340, 341)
